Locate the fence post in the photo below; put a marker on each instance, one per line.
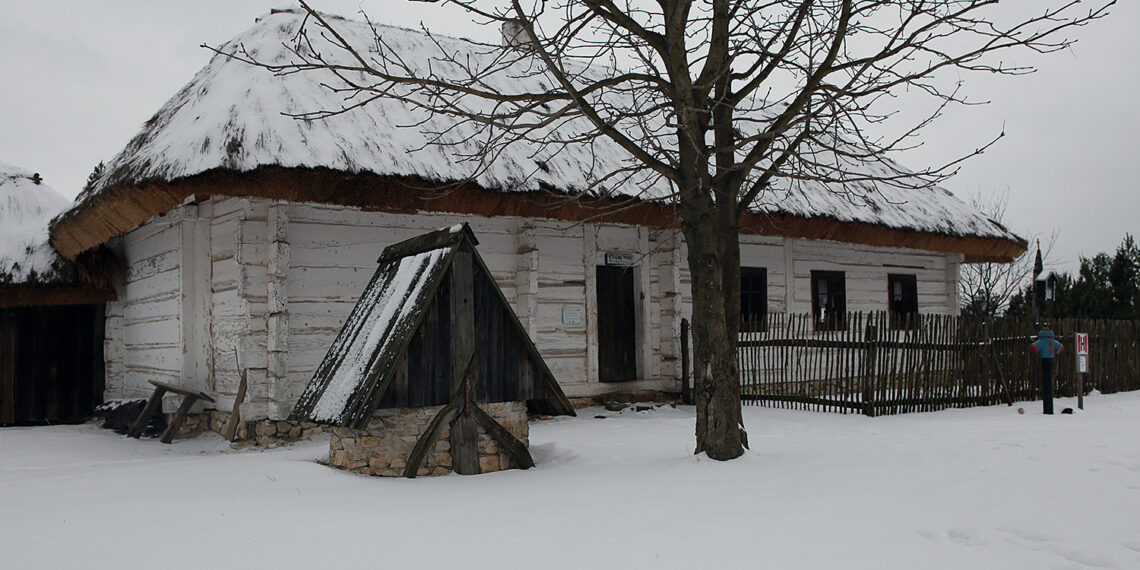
(686, 394)
(869, 372)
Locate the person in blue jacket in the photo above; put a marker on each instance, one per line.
(1046, 346)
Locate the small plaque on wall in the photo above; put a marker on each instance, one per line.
(572, 315)
(619, 258)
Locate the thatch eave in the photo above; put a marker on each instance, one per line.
(115, 210)
(53, 295)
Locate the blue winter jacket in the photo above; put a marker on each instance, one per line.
(1046, 346)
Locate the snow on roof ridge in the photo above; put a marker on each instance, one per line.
(230, 117)
(26, 206)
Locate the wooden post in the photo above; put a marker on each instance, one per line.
(686, 392)
(443, 417)
(462, 316)
(153, 406)
(179, 417)
(506, 439)
(869, 372)
(1000, 374)
(235, 414)
(464, 436)
(1080, 373)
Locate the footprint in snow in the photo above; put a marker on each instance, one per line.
(1085, 558)
(961, 536)
(1028, 534)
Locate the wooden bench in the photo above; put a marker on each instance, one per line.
(154, 406)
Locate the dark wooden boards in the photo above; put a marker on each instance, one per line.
(51, 363)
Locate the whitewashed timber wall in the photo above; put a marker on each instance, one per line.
(280, 278)
(159, 329)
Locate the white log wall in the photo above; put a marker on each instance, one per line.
(279, 278)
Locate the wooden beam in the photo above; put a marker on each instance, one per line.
(506, 439)
(179, 417)
(153, 406)
(462, 315)
(465, 444)
(427, 439)
(443, 417)
(426, 242)
(464, 435)
(235, 414)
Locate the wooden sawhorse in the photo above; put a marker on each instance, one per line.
(154, 406)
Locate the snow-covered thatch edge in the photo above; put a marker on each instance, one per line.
(232, 117)
(26, 207)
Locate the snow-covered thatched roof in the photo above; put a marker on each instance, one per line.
(232, 118)
(26, 207)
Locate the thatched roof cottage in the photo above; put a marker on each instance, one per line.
(239, 224)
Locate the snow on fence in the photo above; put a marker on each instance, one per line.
(876, 363)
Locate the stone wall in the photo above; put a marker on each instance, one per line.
(383, 446)
(261, 433)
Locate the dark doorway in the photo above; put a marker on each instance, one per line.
(617, 325)
(51, 364)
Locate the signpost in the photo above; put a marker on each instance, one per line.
(1082, 342)
(1047, 347)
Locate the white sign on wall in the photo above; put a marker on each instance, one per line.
(619, 258)
(572, 315)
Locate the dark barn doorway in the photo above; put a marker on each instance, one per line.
(51, 364)
(617, 324)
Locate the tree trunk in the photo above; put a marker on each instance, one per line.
(714, 344)
(729, 233)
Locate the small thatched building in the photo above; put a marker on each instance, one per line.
(51, 311)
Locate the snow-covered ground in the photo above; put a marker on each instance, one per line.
(978, 488)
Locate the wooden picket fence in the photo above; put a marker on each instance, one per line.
(880, 365)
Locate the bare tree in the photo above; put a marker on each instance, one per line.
(727, 101)
(985, 289)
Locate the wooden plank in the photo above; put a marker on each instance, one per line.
(153, 406)
(181, 390)
(464, 440)
(179, 418)
(506, 439)
(235, 414)
(426, 242)
(458, 400)
(462, 313)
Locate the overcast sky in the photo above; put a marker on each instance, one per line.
(80, 77)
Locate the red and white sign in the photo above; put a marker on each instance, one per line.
(1082, 343)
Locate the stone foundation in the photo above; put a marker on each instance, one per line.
(262, 433)
(383, 446)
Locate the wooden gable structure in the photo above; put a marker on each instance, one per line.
(432, 328)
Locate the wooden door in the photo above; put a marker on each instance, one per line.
(7, 367)
(617, 318)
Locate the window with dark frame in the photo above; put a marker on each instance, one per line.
(753, 299)
(902, 299)
(829, 300)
